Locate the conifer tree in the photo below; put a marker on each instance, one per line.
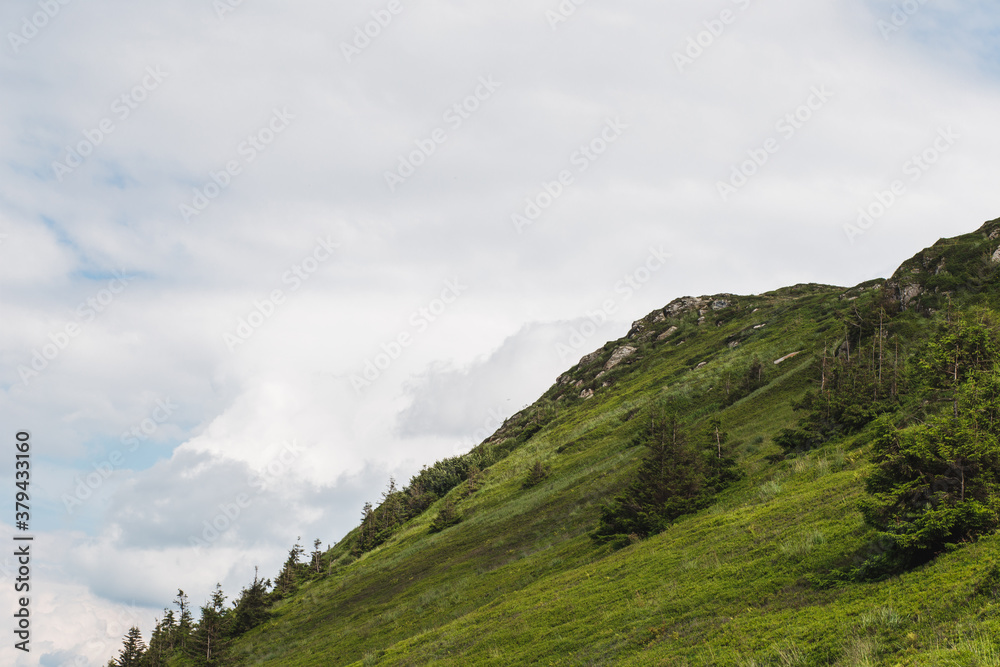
(251, 608)
(317, 555)
(674, 478)
(160, 641)
(185, 621)
(289, 571)
(132, 650)
(937, 483)
(447, 517)
(536, 474)
(474, 480)
(209, 638)
(366, 532)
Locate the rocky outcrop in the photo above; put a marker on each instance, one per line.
(666, 334)
(619, 356)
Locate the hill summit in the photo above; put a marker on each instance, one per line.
(809, 476)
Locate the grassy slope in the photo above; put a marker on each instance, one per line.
(520, 582)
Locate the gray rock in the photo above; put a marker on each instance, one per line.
(669, 332)
(619, 356)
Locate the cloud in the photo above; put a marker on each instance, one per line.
(469, 403)
(324, 175)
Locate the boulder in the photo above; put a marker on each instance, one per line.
(669, 332)
(619, 356)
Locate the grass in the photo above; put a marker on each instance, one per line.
(519, 581)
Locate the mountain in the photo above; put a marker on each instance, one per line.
(829, 404)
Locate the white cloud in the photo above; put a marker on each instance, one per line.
(163, 337)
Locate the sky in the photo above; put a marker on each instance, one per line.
(256, 258)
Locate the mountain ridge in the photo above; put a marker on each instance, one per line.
(762, 575)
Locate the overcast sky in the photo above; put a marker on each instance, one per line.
(257, 257)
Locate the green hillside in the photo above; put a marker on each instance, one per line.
(814, 386)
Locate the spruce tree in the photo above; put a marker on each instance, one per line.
(936, 483)
(209, 638)
(536, 475)
(674, 478)
(289, 571)
(251, 608)
(185, 622)
(317, 556)
(159, 643)
(447, 517)
(132, 650)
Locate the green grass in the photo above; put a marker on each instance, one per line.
(519, 581)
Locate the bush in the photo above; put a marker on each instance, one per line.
(536, 475)
(675, 478)
(447, 517)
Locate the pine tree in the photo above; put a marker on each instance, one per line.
(417, 498)
(251, 608)
(391, 508)
(474, 480)
(447, 517)
(937, 483)
(159, 641)
(366, 532)
(132, 650)
(674, 478)
(289, 571)
(317, 555)
(209, 639)
(185, 621)
(536, 475)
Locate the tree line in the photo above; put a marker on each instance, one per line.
(178, 638)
